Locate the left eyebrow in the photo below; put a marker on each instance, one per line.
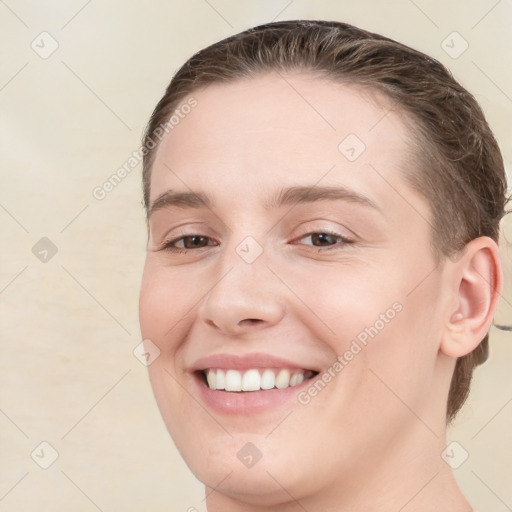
(284, 197)
(302, 194)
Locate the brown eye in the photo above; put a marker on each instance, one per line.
(193, 242)
(322, 239)
(325, 239)
(188, 242)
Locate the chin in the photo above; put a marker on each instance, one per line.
(253, 469)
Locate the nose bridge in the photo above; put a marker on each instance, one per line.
(243, 289)
(242, 264)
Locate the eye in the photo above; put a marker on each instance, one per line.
(326, 239)
(321, 239)
(186, 243)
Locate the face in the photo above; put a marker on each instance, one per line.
(289, 265)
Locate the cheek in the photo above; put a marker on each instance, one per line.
(161, 312)
(401, 357)
(165, 299)
(348, 300)
(166, 306)
(379, 328)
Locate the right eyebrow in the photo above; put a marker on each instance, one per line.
(179, 199)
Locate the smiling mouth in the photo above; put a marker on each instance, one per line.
(255, 379)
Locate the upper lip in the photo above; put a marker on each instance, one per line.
(246, 362)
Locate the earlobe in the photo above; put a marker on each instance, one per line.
(476, 281)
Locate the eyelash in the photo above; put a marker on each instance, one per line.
(168, 245)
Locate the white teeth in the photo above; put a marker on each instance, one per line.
(211, 377)
(233, 381)
(251, 380)
(267, 379)
(255, 380)
(283, 379)
(221, 380)
(295, 379)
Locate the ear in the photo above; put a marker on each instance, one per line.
(476, 283)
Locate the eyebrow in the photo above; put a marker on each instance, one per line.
(284, 197)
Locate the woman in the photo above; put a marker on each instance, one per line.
(323, 207)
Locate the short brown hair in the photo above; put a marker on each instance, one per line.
(459, 168)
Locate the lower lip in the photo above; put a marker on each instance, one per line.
(245, 403)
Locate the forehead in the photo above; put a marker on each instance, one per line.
(301, 128)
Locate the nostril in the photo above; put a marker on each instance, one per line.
(250, 321)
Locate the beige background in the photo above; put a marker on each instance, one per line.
(69, 325)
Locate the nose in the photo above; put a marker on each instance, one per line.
(245, 298)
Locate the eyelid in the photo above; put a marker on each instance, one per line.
(318, 225)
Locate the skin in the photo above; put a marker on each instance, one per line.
(372, 438)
